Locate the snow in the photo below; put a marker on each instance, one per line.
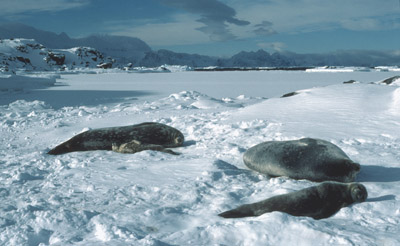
(152, 198)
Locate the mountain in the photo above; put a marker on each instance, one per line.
(29, 55)
(362, 58)
(161, 57)
(133, 50)
(48, 39)
(123, 49)
(259, 58)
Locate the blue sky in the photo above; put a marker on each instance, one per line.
(222, 27)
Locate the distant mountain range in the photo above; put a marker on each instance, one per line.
(133, 50)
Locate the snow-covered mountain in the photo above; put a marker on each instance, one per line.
(133, 50)
(259, 58)
(158, 58)
(123, 49)
(28, 54)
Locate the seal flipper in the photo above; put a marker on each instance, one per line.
(167, 151)
(136, 146)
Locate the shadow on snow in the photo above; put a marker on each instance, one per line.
(71, 98)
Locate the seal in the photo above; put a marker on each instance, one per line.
(306, 158)
(318, 202)
(125, 139)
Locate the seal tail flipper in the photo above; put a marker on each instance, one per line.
(59, 149)
(240, 212)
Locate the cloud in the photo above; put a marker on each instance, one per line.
(302, 16)
(180, 30)
(17, 7)
(215, 16)
(264, 29)
(274, 46)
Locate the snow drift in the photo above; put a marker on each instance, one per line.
(151, 198)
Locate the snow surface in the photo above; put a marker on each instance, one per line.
(152, 198)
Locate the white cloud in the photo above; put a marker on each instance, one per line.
(290, 16)
(14, 8)
(214, 14)
(272, 46)
(181, 30)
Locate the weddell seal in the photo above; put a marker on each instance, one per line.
(306, 158)
(124, 139)
(318, 202)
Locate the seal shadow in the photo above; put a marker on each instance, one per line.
(381, 198)
(378, 174)
(227, 169)
(188, 143)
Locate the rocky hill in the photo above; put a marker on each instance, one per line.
(123, 49)
(30, 55)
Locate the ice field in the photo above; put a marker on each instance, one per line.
(153, 198)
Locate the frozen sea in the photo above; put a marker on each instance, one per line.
(152, 198)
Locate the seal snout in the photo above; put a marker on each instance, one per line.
(179, 140)
(359, 192)
(357, 167)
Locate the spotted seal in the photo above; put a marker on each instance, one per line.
(306, 158)
(124, 139)
(318, 202)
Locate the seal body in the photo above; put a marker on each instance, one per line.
(318, 202)
(144, 136)
(306, 158)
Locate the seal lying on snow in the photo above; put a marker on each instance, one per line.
(125, 139)
(318, 202)
(306, 158)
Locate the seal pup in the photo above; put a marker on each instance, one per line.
(124, 139)
(306, 158)
(318, 202)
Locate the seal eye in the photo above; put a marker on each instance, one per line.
(359, 194)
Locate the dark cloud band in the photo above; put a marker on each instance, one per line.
(214, 15)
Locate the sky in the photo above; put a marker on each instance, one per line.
(222, 27)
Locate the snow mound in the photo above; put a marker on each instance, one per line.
(196, 100)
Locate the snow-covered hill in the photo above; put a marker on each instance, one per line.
(123, 49)
(28, 55)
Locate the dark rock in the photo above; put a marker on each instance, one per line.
(390, 80)
(24, 60)
(105, 65)
(58, 58)
(290, 94)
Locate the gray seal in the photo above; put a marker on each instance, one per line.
(306, 158)
(318, 202)
(124, 139)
